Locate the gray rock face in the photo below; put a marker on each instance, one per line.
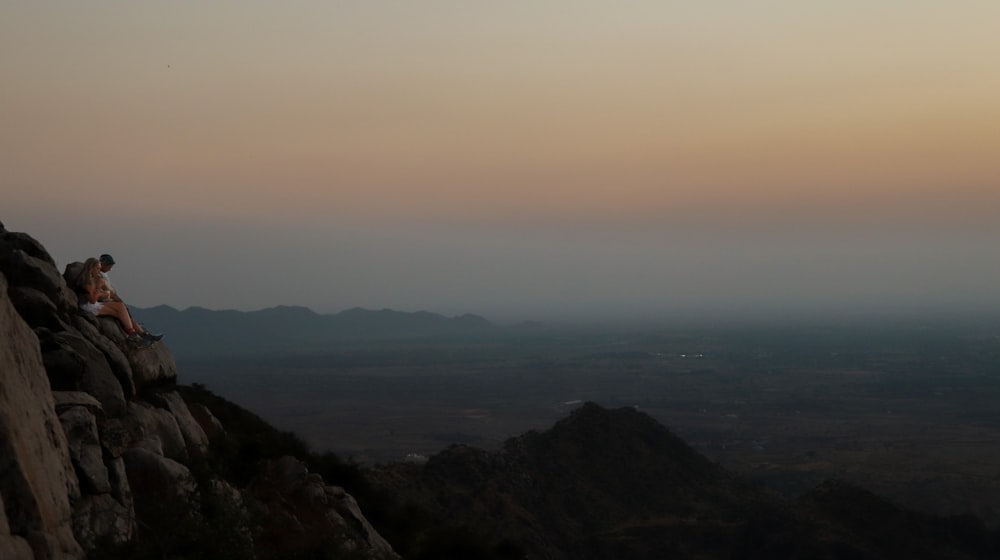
(12, 547)
(164, 490)
(207, 421)
(110, 347)
(102, 517)
(31, 302)
(308, 511)
(195, 440)
(66, 400)
(345, 505)
(153, 367)
(37, 480)
(80, 427)
(95, 376)
(160, 432)
(27, 264)
(96, 442)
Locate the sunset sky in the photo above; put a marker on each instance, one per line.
(520, 160)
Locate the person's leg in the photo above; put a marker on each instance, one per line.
(119, 311)
(140, 328)
(135, 324)
(132, 327)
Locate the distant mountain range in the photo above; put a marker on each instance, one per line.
(197, 331)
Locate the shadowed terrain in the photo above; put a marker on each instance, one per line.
(905, 409)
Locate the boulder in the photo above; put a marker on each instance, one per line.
(15, 548)
(345, 505)
(194, 437)
(103, 518)
(26, 263)
(37, 308)
(68, 399)
(11, 241)
(37, 482)
(12, 547)
(138, 368)
(80, 427)
(120, 490)
(209, 423)
(118, 434)
(160, 431)
(94, 375)
(310, 514)
(64, 366)
(153, 367)
(106, 517)
(113, 351)
(163, 489)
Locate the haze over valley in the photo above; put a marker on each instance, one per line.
(904, 408)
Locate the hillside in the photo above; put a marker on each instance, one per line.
(106, 456)
(616, 484)
(103, 457)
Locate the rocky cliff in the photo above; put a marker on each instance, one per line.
(100, 455)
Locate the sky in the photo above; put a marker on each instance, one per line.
(521, 160)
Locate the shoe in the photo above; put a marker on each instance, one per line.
(139, 341)
(153, 337)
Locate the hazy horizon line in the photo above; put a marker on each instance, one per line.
(748, 316)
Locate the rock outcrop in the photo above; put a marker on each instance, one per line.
(37, 479)
(309, 514)
(98, 449)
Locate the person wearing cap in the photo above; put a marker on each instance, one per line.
(89, 288)
(108, 293)
(107, 263)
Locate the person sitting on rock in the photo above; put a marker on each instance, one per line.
(90, 288)
(108, 293)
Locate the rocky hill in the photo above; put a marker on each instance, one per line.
(607, 484)
(102, 457)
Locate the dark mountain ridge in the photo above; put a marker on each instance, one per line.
(197, 331)
(617, 484)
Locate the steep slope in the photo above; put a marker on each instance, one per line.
(37, 482)
(101, 456)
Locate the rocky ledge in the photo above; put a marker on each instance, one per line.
(100, 453)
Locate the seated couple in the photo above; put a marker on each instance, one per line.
(97, 297)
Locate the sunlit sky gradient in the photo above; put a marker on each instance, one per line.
(520, 160)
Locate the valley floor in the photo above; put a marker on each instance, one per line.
(912, 417)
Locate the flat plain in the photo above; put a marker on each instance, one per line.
(911, 412)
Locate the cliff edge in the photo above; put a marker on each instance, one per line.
(101, 456)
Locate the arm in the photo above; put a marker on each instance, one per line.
(104, 291)
(93, 292)
(107, 292)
